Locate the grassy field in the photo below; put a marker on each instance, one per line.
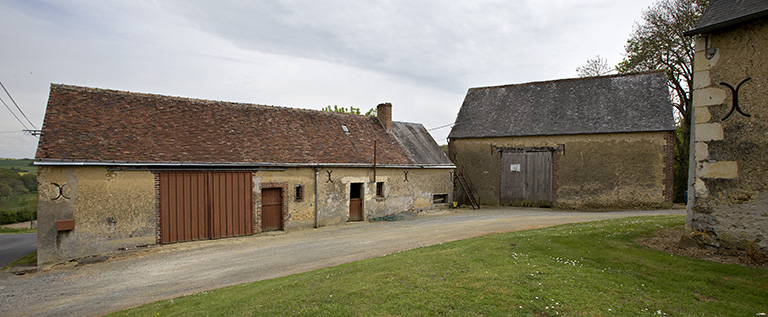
(18, 208)
(589, 269)
(22, 164)
(15, 230)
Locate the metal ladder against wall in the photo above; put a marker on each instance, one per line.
(468, 187)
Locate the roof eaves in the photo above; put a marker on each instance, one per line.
(725, 24)
(556, 134)
(73, 162)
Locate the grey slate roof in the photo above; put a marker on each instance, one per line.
(418, 144)
(724, 13)
(607, 104)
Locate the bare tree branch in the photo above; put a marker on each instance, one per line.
(594, 67)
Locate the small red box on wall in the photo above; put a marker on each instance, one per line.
(65, 225)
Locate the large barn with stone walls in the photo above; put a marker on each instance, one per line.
(588, 143)
(122, 169)
(728, 194)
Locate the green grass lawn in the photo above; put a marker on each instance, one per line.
(29, 258)
(588, 269)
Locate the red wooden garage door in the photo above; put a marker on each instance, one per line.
(203, 205)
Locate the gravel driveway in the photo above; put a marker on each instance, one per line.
(137, 277)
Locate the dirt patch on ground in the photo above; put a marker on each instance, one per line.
(668, 240)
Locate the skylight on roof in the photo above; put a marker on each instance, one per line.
(346, 130)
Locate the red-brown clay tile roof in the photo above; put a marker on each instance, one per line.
(88, 124)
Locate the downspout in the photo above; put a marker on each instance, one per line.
(317, 191)
(374, 161)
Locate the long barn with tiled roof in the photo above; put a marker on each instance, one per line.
(122, 169)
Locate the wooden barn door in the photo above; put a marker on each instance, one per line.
(356, 202)
(203, 205)
(183, 206)
(231, 204)
(271, 209)
(526, 178)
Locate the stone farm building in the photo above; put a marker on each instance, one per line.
(591, 143)
(121, 169)
(728, 197)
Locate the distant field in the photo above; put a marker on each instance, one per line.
(22, 164)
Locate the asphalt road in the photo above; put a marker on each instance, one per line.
(14, 246)
(168, 271)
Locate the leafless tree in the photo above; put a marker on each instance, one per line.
(594, 67)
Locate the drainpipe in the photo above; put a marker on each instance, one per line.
(317, 191)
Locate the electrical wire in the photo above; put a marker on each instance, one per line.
(442, 126)
(14, 115)
(17, 106)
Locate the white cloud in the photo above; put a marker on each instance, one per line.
(420, 55)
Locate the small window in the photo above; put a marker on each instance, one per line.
(380, 189)
(439, 198)
(299, 192)
(346, 130)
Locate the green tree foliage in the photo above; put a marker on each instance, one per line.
(681, 163)
(17, 200)
(13, 183)
(18, 208)
(351, 109)
(658, 43)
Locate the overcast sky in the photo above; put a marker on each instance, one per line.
(421, 56)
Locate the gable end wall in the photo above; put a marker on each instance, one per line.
(728, 197)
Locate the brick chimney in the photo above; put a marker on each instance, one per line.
(384, 113)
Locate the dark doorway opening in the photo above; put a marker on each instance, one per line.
(356, 202)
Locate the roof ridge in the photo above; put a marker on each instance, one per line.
(93, 123)
(571, 79)
(191, 99)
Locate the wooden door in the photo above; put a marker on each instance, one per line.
(356, 202)
(202, 205)
(231, 204)
(271, 209)
(183, 206)
(526, 178)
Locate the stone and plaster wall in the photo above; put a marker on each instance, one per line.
(596, 171)
(299, 213)
(413, 194)
(111, 210)
(119, 209)
(400, 195)
(729, 204)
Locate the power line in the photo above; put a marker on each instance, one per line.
(14, 115)
(442, 126)
(17, 106)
